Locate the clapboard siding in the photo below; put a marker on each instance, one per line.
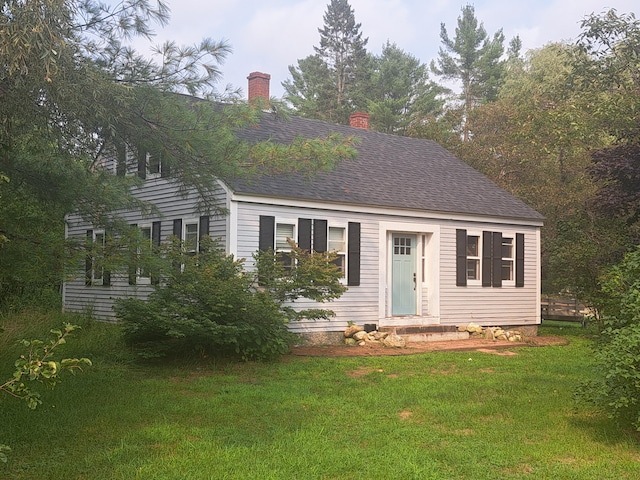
(395, 185)
(506, 305)
(359, 304)
(170, 205)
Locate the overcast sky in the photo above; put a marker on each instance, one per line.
(268, 36)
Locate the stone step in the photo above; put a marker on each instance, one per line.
(427, 333)
(411, 329)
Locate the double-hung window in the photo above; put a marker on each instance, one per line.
(314, 235)
(97, 270)
(508, 259)
(96, 273)
(151, 164)
(191, 236)
(190, 231)
(284, 233)
(143, 275)
(154, 165)
(142, 269)
(473, 259)
(490, 259)
(338, 245)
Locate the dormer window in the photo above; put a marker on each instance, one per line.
(154, 165)
(151, 164)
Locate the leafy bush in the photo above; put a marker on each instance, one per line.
(204, 305)
(617, 388)
(617, 356)
(302, 274)
(207, 304)
(620, 303)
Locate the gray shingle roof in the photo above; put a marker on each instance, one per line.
(389, 171)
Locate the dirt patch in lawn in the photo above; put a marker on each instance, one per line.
(473, 344)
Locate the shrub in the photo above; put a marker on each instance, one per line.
(205, 305)
(617, 387)
(620, 303)
(302, 274)
(617, 357)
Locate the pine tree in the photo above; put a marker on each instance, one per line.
(332, 83)
(402, 93)
(72, 92)
(472, 58)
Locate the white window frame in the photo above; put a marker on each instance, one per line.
(477, 258)
(186, 223)
(285, 249)
(341, 253)
(149, 174)
(97, 280)
(512, 259)
(142, 279)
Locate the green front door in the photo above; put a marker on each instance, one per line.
(403, 274)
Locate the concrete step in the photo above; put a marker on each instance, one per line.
(427, 333)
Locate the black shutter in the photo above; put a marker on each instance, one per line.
(304, 234)
(155, 234)
(177, 231)
(106, 274)
(133, 260)
(497, 260)
(89, 258)
(519, 259)
(165, 168)
(203, 229)
(487, 258)
(121, 159)
(267, 233)
(155, 241)
(142, 163)
(320, 236)
(177, 228)
(353, 253)
(461, 258)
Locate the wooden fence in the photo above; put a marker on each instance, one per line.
(563, 310)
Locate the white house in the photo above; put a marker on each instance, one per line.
(423, 238)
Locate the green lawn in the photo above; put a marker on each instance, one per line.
(465, 415)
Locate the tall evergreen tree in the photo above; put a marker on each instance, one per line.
(472, 58)
(402, 92)
(332, 83)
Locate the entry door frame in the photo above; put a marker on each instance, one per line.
(427, 240)
(405, 282)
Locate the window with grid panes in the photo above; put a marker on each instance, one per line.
(338, 244)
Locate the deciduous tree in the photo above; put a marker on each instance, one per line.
(610, 71)
(535, 141)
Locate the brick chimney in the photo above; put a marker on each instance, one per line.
(258, 85)
(359, 120)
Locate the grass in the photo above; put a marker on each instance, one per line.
(439, 415)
